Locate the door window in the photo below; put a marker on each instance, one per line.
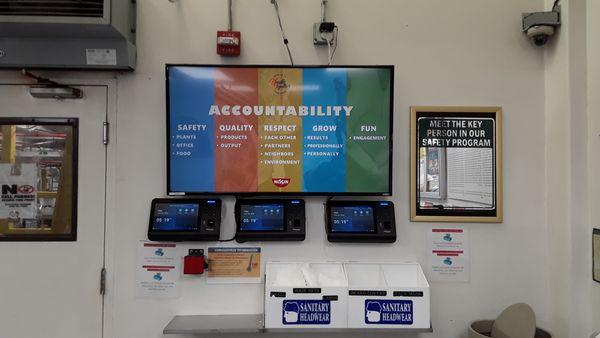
(38, 178)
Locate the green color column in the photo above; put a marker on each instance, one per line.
(368, 128)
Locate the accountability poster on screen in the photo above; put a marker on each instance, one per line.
(307, 130)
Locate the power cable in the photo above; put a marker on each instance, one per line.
(230, 15)
(323, 10)
(285, 40)
(332, 40)
(329, 40)
(335, 44)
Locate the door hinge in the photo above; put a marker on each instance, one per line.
(105, 132)
(102, 281)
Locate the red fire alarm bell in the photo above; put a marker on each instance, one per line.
(229, 43)
(194, 263)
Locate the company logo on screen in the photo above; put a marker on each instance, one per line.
(281, 182)
(279, 83)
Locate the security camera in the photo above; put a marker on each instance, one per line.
(540, 34)
(540, 26)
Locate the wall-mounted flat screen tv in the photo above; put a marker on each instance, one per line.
(266, 130)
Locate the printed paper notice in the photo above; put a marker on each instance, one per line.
(233, 265)
(157, 272)
(18, 199)
(101, 57)
(449, 255)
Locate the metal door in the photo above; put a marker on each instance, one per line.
(52, 288)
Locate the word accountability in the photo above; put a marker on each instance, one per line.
(281, 110)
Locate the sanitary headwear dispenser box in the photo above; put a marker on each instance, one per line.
(305, 295)
(394, 295)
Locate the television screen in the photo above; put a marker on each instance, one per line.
(278, 129)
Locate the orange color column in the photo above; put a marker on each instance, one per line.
(236, 136)
(280, 158)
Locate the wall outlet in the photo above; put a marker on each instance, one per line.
(317, 38)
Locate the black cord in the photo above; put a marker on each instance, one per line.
(555, 4)
(228, 240)
(285, 40)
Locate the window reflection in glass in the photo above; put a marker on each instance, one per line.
(430, 172)
(456, 178)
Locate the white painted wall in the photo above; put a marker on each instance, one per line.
(593, 109)
(572, 129)
(467, 52)
(557, 181)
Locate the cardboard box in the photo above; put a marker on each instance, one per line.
(388, 295)
(305, 295)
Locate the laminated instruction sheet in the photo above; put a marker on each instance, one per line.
(449, 255)
(157, 270)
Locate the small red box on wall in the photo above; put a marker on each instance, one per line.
(194, 263)
(229, 43)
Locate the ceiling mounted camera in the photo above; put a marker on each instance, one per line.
(540, 26)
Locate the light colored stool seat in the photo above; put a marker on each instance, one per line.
(483, 329)
(516, 321)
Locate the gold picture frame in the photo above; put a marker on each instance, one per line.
(422, 197)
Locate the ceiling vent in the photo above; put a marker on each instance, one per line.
(77, 8)
(68, 34)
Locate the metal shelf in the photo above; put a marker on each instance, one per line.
(253, 323)
(205, 324)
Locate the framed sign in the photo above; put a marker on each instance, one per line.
(456, 164)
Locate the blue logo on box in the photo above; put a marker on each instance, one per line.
(388, 311)
(306, 312)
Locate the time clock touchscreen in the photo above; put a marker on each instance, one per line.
(262, 217)
(352, 219)
(175, 217)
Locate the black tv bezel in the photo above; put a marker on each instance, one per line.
(171, 192)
